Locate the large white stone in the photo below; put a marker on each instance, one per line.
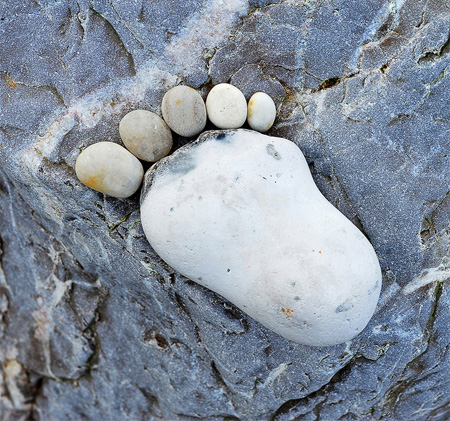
(239, 213)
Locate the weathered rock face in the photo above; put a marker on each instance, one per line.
(94, 325)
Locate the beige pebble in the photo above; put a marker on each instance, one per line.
(109, 168)
(184, 111)
(145, 135)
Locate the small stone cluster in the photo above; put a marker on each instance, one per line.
(242, 192)
(113, 170)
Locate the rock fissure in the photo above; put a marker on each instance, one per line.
(436, 54)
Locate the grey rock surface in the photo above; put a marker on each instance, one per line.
(93, 325)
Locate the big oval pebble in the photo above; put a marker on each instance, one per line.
(146, 135)
(184, 111)
(226, 106)
(261, 112)
(109, 168)
(239, 213)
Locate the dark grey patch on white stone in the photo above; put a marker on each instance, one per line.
(272, 151)
(344, 307)
(181, 161)
(222, 137)
(183, 164)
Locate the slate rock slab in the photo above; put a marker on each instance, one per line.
(93, 325)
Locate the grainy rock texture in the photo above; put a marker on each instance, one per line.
(94, 326)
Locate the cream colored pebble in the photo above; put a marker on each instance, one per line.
(184, 111)
(109, 168)
(261, 112)
(226, 106)
(146, 135)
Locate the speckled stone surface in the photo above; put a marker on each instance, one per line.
(109, 168)
(145, 135)
(308, 274)
(93, 325)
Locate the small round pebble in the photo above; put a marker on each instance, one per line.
(109, 168)
(226, 106)
(146, 135)
(261, 112)
(184, 111)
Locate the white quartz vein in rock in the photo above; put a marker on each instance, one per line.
(205, 30)
(10, 204)
(427, 276)
(275, 373)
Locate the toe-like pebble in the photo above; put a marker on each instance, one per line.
(109, 168)
(261, 112)
(184, 111)
(145, 135)
(226, 106)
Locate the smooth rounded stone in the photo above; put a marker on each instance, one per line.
(239, 213)
(146, 135)
(184, 111)
(226, 106)
(109, 168)
(261, 112)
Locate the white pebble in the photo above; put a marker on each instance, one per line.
(261, 112)
(226, 106)
(109, 168)
(145, 135)
(238, 212)
(184, 111)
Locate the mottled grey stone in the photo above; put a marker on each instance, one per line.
(93, 325)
